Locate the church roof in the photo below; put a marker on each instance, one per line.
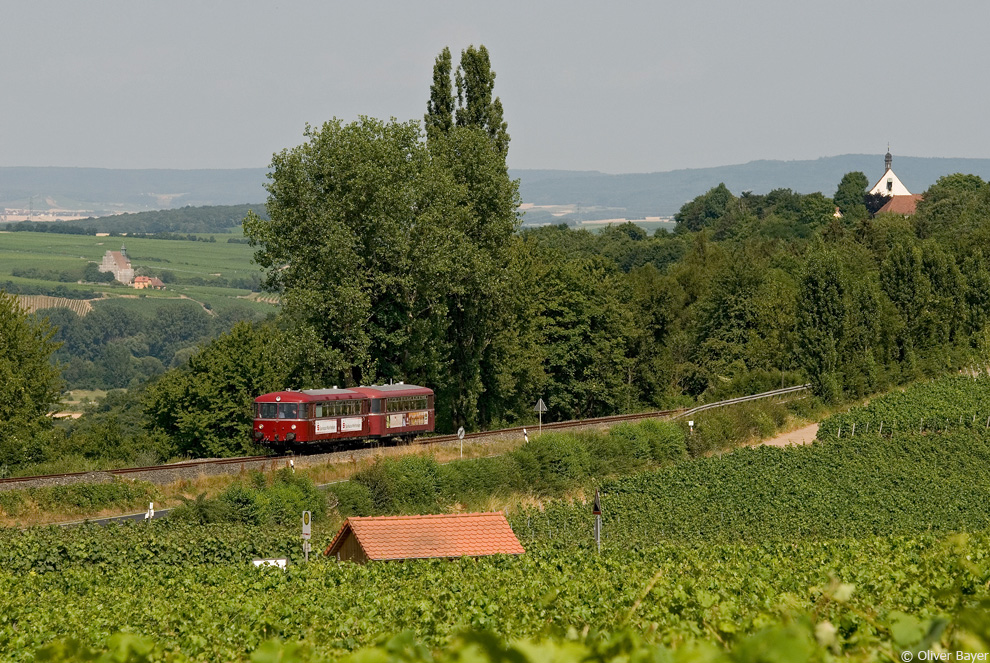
(903, 205)
(120, 259)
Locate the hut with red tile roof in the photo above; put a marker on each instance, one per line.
(421, 537)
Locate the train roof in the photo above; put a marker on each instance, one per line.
(308, 395)
(393, 390)
(335, 394)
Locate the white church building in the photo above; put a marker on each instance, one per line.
(901, 201)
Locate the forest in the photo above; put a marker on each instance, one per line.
(396, 251)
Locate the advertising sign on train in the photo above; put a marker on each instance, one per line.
(418, 418)
(351, 424)
(324, 426)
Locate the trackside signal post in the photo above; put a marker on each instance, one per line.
(307, 532)
(540, 408)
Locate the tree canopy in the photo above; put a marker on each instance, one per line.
(30, 385)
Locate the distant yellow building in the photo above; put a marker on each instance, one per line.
(142, 282)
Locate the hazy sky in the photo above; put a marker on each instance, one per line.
(612, 86)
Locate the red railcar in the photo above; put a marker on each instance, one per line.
(391, 411)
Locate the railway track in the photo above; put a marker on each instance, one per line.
(218, 465)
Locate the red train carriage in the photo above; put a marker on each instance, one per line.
(289, 418)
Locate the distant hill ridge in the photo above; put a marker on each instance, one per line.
(663, 193)
(109, 190)
(632, 195)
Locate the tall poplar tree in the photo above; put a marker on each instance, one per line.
(439, 118)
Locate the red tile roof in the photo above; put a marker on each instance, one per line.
(904, 205)
(121, 261)
(416, 537)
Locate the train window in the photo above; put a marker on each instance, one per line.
(288, 410)
(337, 409)
(376, 405)
(267, 410)
(407, 403)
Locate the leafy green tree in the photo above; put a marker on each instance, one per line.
(205, 408)
(704, 210)
(821, 321)
(903, 280)
(849, 196)
(586, 329)
(874, 201)
(955, 210)
(653, 300)
(361, 244)
(30, 385)
(92, 274)
(976, 271)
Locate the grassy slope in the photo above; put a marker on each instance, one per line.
(47, 251)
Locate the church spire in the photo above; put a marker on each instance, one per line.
(887, 160)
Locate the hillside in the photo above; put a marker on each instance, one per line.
(103, 191)
(638, 195)
(588, 194)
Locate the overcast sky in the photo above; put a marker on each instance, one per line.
(613, 86)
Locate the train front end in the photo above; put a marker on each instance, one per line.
(280, 419)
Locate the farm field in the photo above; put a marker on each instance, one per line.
(50, 252)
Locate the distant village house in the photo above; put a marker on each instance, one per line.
(153, 282)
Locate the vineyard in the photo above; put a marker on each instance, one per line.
(33, 303)
(194, 590)
(847, 548)
(945, 405)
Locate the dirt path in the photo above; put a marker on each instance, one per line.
(804, 435)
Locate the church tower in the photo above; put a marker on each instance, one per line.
(889, 185)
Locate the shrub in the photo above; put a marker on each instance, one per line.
(353, 499)
(408, 485)
(278, 499)
(664, 441)
(559, 458)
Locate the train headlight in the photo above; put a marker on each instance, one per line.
(293, 426)
(260, 426)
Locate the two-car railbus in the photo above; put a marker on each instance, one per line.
(292, 419)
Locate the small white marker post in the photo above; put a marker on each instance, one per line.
(691, 426)
(307, 532)
(525, 436)
(151, 511)
(597, 511)
(460, 436)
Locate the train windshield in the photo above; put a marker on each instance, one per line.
(288, 410)
(267, 410)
